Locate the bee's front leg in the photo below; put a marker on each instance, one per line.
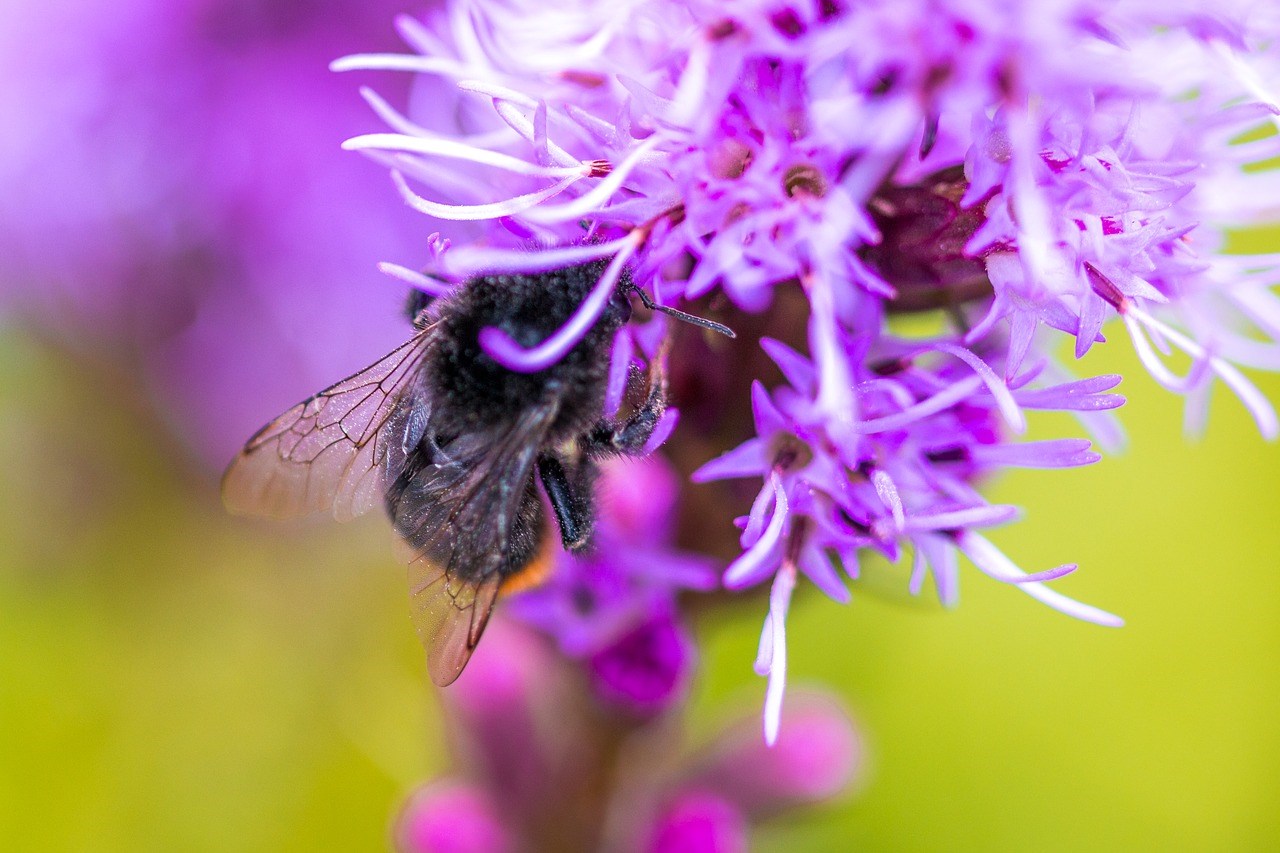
(569, 488)
(629, 437)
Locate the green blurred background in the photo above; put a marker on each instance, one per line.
(173, 678)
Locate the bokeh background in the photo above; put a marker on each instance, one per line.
(185, 251)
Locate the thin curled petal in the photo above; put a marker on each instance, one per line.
(992, 561)
(471, 212)
(502, 348)
(425, 283)
(779, 602)
(466, 261)
(666, 425)
(1264, 414)
(1054, 453)
(619, 372)
(978, 516)
(745, 460)
(457, 151)
(1004, 398)
(939, 402)
(1084, 395)
(755, 564)
(598, 195)
(888, 493)
(396, 62)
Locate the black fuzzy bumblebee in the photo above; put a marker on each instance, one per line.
(448, 441)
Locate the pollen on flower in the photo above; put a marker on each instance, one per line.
(804, 179)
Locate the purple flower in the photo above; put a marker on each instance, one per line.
(645, 668)
(1025, 170)
(616, 605)
(931, 422)
(754, 144)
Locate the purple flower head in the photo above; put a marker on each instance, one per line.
(747, 149)
(1025, 170)
(933, 419)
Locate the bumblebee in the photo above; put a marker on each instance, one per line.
(452, 445)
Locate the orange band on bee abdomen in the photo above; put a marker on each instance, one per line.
(537, 570)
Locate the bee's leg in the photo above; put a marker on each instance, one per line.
(569, 491)
(630, 436)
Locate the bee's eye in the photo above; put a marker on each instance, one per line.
(620, 305)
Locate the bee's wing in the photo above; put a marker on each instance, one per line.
(470, 519)
(449, 616)
(326, 452)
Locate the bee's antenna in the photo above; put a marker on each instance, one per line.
(681, 315)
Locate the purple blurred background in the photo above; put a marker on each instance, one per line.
(176, 200)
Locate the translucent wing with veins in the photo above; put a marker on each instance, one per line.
(327, 452)
(450, 615)
(473, 522)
